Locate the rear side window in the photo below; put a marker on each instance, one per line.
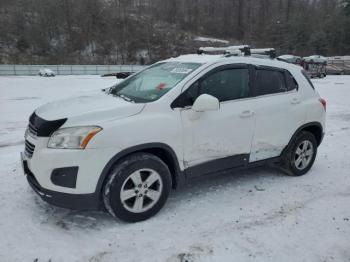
(226, 85)
(269, 82)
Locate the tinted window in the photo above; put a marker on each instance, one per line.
(291, 83)
(269, 82)
(187, 98)
(226, 85)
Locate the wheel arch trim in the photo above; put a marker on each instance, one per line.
(305, 126)
(178, 173)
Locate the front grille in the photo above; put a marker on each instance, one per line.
(32, 129)
(29, 149)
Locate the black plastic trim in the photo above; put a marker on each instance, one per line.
(217, 168)
(44, 127)
(179, 175)
(311, 124)
(65, 176)
(217, 165)
(306, 126)
(65, 200)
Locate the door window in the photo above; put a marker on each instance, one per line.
(225, 85)
(269, 82)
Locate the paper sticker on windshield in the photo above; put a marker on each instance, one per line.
(181, 70)
(160, 86)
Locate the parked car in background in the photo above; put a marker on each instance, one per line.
(315, 66)
(290, 59)
(46, 72)
(182, 118)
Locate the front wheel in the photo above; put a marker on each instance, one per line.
(300, 155)
(137, 187)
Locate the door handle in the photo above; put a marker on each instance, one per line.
(295, 101)
(246, 113)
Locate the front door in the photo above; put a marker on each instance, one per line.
(219, 139)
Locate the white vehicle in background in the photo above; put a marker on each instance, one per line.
(46, 72)
(124, 149)
(296, 60)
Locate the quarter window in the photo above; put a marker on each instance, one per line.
(269, 82)
(291, 82)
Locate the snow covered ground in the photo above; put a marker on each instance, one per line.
(256, 215)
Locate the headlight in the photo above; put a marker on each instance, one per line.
(73, 137)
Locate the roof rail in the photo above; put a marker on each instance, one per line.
(264, 52)
(238, 50)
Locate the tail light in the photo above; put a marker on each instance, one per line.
(324, 103)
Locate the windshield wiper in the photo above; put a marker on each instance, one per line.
(128, 99)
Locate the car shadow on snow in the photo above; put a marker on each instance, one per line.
(251, 180)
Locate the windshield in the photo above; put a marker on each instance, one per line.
(152, 83)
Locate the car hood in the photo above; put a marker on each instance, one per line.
(89, 109)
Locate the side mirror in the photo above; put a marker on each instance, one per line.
(206, 102)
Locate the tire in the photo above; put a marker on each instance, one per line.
(300, 154)
(129, 178)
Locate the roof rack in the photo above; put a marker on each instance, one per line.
(238, 50)
(264, 52)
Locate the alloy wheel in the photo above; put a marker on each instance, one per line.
(303, 154)
(141, 190)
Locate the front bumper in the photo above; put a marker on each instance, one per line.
(85, 166)
(65, 200)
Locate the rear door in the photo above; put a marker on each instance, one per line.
(278, 111)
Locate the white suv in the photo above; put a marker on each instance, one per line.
(181, 118)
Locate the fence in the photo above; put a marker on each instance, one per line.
(68, 69)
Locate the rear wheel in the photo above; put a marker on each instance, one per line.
(300, 155)
(137, 187)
